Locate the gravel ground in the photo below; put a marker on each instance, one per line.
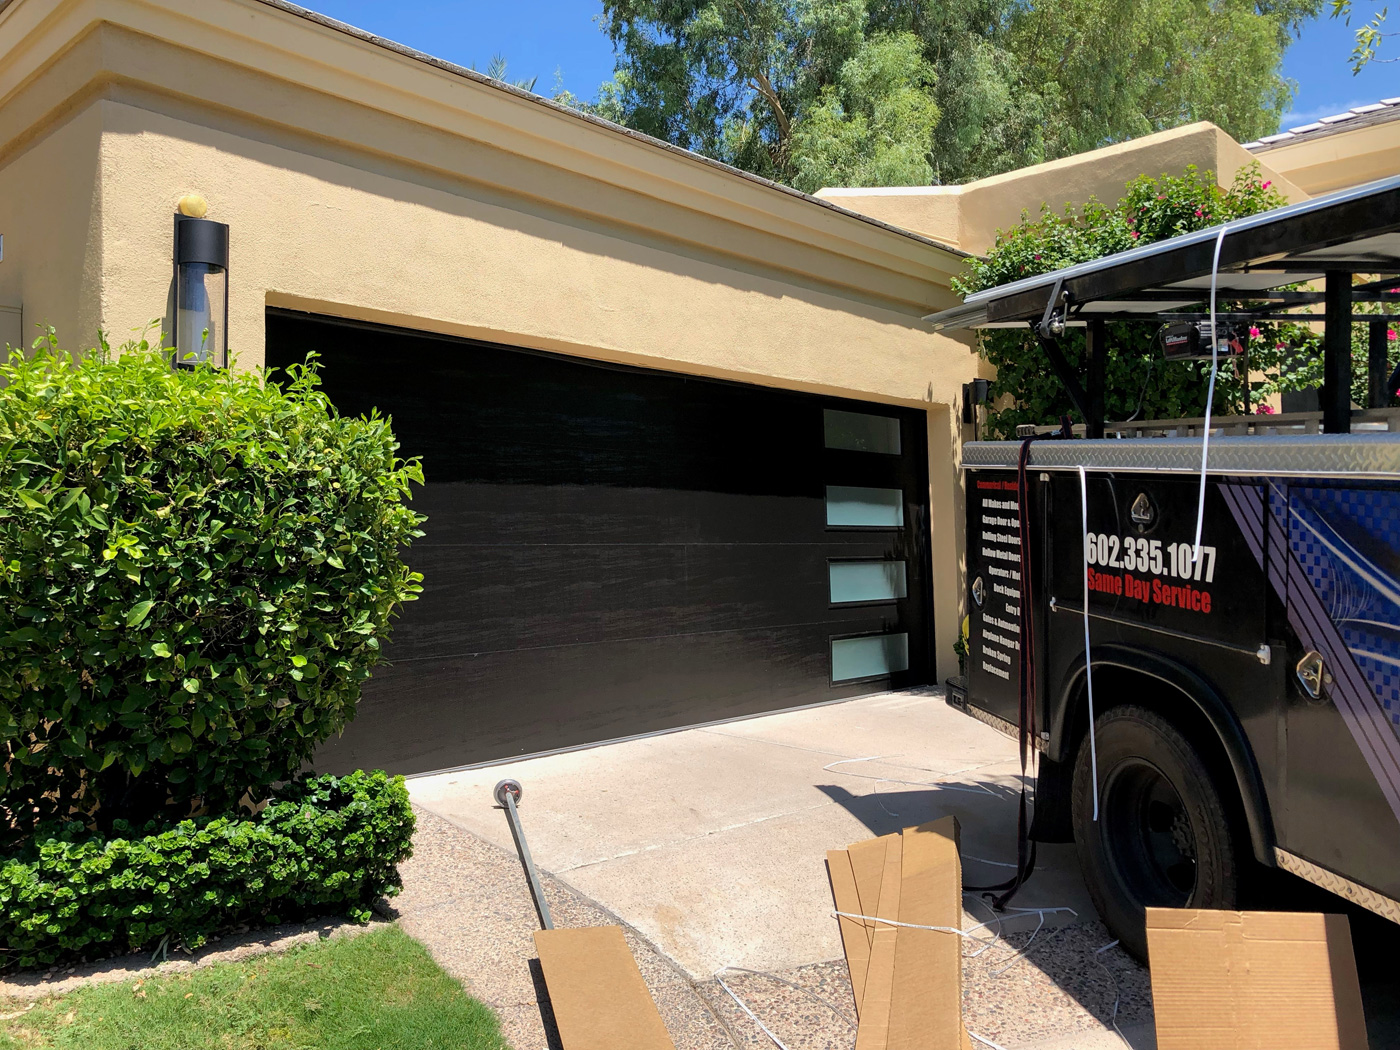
(467, 901)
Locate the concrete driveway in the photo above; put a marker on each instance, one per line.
(711, 842)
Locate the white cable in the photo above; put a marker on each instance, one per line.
(797, 987)
(968, 933)
(1210, 394)
(985, 1041)
(1113, 1020)
(1024, 948)
(1088, 664)
(752, 1016)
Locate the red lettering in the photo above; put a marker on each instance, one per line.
(1205, 601)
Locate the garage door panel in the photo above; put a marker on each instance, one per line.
(477, 709)
(490, 513)
(485, 598)
(611, 551)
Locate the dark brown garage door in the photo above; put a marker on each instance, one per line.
(611, 551)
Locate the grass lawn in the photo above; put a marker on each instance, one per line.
(377, 991)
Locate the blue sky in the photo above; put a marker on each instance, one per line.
(542, 38)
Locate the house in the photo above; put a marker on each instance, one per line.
(690, 450)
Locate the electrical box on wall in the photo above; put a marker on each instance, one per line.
(11, 329)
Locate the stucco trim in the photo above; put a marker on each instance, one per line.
(589, 118)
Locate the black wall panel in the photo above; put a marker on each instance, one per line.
(608, 551)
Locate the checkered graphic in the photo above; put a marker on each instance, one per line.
(1346, 541)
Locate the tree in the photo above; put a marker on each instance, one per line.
(1368, 37)
(496, 70)
(908, 92)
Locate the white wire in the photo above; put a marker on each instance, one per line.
(1210, 394)
(1113, 1020)
(744, 1006)
(984, 1040)
(1088, 664)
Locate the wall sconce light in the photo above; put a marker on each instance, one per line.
(201, 288)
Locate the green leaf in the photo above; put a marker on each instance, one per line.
(138, 614)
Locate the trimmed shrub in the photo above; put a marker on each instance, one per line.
(321, 846)
(198, 569)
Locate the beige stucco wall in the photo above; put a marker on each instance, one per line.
(51, 219)
(313, 233)
(969, 216)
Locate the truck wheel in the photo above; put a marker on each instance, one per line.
(1163, 837)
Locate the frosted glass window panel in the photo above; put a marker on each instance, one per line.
(849, 505)
(867, 581)
(873, 656)
(861, 432)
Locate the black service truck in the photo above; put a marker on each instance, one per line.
(1246, 693)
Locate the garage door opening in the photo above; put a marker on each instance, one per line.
(612, 551)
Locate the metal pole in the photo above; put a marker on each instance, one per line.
(1378, 365)
(507, 791)
(1096, 353)
(1336, 354)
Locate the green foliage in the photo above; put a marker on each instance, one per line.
(379, 989)
(197, 573)
(1137, 384)
(326, 845)
(1369, 36)
(873, 125)
(872, 92)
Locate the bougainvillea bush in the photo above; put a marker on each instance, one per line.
(198, 570)
(322, 845)
(1138, 382)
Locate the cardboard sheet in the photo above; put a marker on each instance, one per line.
(600, 1000)
(1225, 980)
(926, 994)
(855, 934)
(873, 1031)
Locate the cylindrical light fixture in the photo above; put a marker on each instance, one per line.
(201, 292)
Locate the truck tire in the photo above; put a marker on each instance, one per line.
(1163, 837)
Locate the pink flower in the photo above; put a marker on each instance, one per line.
(1199, 213)
(1253, 332)
(1135, 235)
(1390, 334)
(1265, 187)
(1037, 258)
(1263, 410)
(1278, 346)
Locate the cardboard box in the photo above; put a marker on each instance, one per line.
(599, 998)
(1226, 980)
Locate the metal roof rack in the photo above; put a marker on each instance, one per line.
(1328, 238)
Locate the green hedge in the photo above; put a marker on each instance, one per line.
(198, 572)
(328, 845)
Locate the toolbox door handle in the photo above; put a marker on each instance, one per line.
(1312, 674)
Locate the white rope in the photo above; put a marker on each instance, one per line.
(1210, 394)
(797, 987)
(985, 1041)
(744, 1006)
(970, 932)
(1113, 1020)
(1088, 663)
